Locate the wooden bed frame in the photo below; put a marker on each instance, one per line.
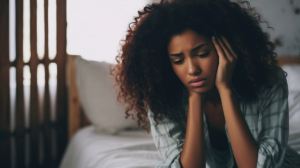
(76, 116)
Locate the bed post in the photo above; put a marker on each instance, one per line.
(76, 116)
(73, 96)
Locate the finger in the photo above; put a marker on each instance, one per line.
(218, 48)
(229, 47)
(224, 47)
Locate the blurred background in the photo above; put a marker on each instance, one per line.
(94, 36)
(37, 35)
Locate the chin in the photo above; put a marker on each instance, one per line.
(202, 89)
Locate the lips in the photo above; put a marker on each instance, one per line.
(198, 84)
(197, 80)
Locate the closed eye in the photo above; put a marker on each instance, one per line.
(202, 55)
(178, 62)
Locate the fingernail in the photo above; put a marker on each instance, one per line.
(213, 37)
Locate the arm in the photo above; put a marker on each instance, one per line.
(244, 146)
(273, 126)
(268, 149)
(193, 152)
(176, 149)
(238, 131)
(198, 150)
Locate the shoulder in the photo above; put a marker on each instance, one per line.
(275, 83)
(272, 94)
(159, 121)
(166, 128)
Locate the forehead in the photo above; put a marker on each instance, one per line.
(186, 39)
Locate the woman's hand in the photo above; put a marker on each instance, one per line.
(201, 97)
(227, 61)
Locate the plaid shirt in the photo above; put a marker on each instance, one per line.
(267, 118)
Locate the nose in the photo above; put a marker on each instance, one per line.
(193, 67)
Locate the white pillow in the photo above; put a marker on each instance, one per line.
(293, 77)
(98, 99)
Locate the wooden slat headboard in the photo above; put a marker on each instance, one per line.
(77, 119)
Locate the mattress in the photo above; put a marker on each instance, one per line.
(128, 149)
(136, 149)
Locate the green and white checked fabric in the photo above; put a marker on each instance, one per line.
(267, 119)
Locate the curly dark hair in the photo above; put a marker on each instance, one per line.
(144, 73)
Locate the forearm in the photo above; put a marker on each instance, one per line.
(193, 152)
(244, 146)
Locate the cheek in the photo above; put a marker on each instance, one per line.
(212, 65)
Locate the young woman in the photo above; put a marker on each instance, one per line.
(205, 75)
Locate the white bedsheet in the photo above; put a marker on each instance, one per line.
(128, 149)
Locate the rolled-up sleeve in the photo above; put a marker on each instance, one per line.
(168, 139)
(273, 125)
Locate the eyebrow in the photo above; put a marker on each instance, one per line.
(194, 49)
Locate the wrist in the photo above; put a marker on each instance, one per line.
(197, 98)
(195, 106)
(224, 88)
(225, 91)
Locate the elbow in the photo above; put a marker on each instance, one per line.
(270, 155)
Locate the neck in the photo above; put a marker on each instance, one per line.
(213, 95)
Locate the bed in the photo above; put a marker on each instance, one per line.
(112, 142)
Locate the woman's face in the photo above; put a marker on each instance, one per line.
(193, 55)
